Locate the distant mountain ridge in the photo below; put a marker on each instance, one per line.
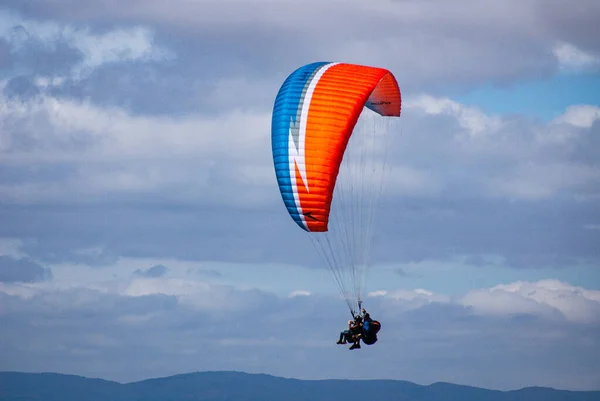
(238, 386)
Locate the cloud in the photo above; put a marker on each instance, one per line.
(90, 49)
(532, 181)
(441, 39)
(581, 116)
(195, 294)
(477, 260)
(547, 298)
(521, 159)
(299, 293)
(80, 252)
(4, 54)
(516, 164)
(90, 256)
(96, 143)
(178, 320)
(22, 270)
(405, 300)
(572, 58)
(12, 247)
(451, 164)
(204, 272)
(470, 119)
(152, 272)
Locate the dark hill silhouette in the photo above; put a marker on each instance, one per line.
(236, 386)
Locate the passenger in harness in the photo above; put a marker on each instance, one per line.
(353, 334)
(363, 327)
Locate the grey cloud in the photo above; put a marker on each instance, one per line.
(5, 56)
(152, 231)
(476, 260)
(79, 62)
(29, 55)
(474, 207)
(403, 272)
(80, 249)
(22, 87)
(154, 271)
(572, 24)
(415, 228)
(583, 150)
(216, 46)
(106, 335)
(22, 270)
(204, 272)
(527, 235)
(149, 89)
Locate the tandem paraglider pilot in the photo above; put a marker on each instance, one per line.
(363, 327)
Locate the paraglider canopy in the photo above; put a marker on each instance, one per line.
(313, 121)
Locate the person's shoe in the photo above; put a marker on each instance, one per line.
(341, 342)
(354, 346)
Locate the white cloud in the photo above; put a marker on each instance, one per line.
(116, 152)
(11, 247)
(21, 290)
(570, 57)
(408, 299)
(471, 119)
(535, 181)
(117, 45)
(442, 39)
(113, 133)
(171, 318)
(500, 157)
(543, 298)
(406, 180)
(548, 299)
(299, 293)
(581, 116)
(183, 289)
(113, 151)
(48, 82)
(189, 292)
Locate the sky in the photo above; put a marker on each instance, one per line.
(143, 234)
